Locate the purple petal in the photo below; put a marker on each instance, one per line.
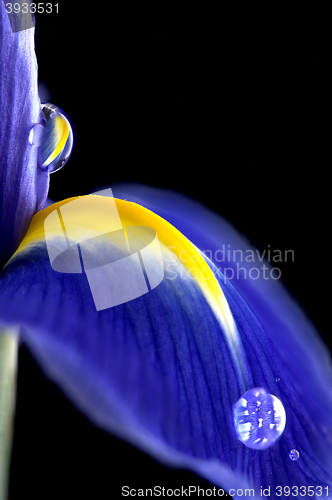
(23, 188)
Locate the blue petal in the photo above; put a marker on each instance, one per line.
(23, 188)
(286, 325)
(162, 371)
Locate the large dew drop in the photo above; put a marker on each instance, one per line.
(259, 419)
(53, 137)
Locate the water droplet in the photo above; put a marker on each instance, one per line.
(277, 379)
(294, 455)
(36, 134)
(57, 139)
(259, 419)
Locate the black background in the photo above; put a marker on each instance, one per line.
(228, 108)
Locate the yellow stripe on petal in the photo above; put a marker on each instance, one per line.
(95, 215)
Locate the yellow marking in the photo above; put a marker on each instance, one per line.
(96, 214)
(126, 238)
(63, 226)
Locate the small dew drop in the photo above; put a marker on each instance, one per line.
(259, 419)
(277, 379)
(36, 134)
(294, 455)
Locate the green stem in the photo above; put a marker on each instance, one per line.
(8, 366)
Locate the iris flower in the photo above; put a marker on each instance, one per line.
(162, 371)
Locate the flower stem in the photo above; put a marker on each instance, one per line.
(8, 366)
